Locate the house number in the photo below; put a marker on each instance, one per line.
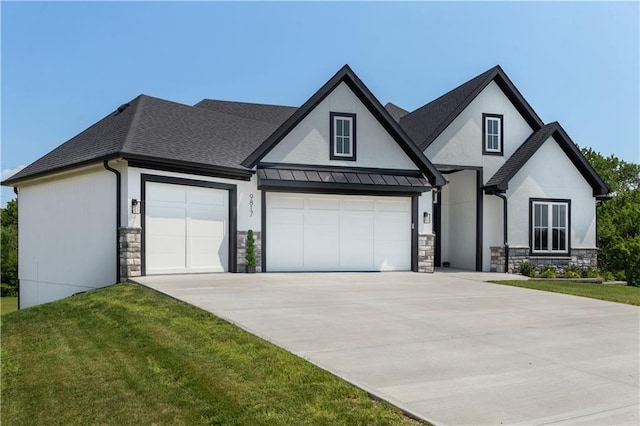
(250, 204)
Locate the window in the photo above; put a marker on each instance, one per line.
(343, 136)
(549, 226)
(491, 134)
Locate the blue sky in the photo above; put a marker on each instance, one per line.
(67, 65)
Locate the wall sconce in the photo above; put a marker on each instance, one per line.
(135, 206)
(426, 217)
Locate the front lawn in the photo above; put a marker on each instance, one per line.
(128, 355)
(8, 304)
(612, 293)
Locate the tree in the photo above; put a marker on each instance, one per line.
(618, 225)
(9, 248)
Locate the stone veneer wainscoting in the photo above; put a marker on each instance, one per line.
(426, 243)
(130, 245)
(580, 258)
(241, 247)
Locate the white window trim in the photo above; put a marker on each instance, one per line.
(549, 227)
(335, 136)
(486, 134)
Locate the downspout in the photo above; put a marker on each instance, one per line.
(118, 218)
(505, 231)
(15, 190)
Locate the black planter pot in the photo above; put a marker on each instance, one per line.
(251, 269)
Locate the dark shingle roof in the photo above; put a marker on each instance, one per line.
(499, 182)
(272, 114)
(426, 123)
(395, 111)
(152, 128)
(102, 139)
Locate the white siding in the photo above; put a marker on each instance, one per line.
(67, 238)
(246, 220)
(308, 142)
(492, 223)
(458, 240)
(461, 142)
(550, 174)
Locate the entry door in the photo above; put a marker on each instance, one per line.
(338, 233)
(186, 229)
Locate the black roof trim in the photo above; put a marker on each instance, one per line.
(499, 182)
(346, 75)
(67, 167)
(476, 85)
(155, 163)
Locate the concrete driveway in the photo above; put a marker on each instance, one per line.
(446, 347)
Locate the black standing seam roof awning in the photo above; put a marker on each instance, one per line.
(336, 179)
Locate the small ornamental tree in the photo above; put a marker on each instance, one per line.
(250, 255)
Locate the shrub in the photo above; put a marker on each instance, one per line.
(571, 274)
(607, 276)
(7, 290)
(590, 273)
(250, 255)
(527, 269)
(548, 272)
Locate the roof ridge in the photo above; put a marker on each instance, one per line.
(241, 102)
(133, 124)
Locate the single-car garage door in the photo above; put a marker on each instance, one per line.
(338, 233)
(186, 229)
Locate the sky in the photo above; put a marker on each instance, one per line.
(65, 65)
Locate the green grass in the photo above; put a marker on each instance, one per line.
(128, 355)
(8, 304)
(612, 293)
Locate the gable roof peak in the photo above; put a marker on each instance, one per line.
(362, 92)
(426, 123)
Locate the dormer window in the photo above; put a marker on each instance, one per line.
(343, 136)
(492, 134)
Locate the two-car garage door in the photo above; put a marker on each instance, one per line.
(338, 233)
(186, 229)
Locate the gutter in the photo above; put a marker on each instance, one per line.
(15, 190)
(505, 231)
(118, 215)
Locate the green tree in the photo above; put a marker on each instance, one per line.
(618, 223)
(9, 248)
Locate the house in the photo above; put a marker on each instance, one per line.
(474, 178)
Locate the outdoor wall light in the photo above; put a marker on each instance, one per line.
(135, 206)
(426, 217)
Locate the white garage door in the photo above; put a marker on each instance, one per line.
(338, 233)
(186, 229)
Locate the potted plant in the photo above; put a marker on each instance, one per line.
(250, 255)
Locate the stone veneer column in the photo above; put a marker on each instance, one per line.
(497, 259)
(241, 250)
(129, 241)
(426, 244)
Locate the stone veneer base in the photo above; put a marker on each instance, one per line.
(580, 258)
(426, 244)
(130, 247)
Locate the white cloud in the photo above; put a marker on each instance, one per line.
(7, 173)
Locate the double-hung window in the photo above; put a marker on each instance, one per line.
(492, 134)
(550, 226)
(343, 136)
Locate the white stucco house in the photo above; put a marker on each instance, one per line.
(473, 179)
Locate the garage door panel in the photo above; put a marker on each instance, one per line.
(351, 204)
(165, 193)
(338, 233)
(186, 229)
(207, 197)
(317, 203)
